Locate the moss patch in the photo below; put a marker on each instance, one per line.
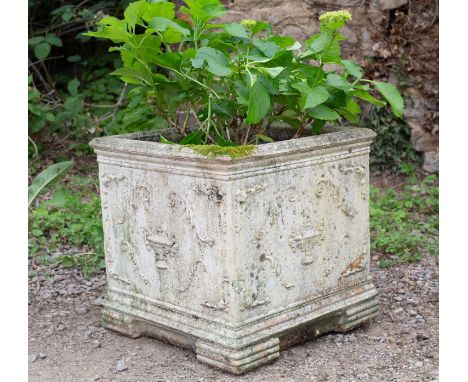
(213, 151)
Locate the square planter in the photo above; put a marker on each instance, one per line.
(237, 258)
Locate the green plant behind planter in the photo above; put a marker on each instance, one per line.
(234, 80)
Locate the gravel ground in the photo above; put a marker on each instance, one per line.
(67, 343)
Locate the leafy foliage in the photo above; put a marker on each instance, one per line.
(405, 223)
(67, 228)
(46, 178)
(391, 147)
(237, 79)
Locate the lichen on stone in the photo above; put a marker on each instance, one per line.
(214, 151)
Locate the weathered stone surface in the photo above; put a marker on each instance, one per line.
(386, 5)
(237, 258)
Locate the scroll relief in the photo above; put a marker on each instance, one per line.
(108, 179)
(326, 187)
(176, 201)
(361, 175)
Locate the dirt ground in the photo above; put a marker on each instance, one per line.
(67, 343)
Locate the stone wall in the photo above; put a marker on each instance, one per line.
(395, 40)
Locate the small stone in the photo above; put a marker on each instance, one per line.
(375, 258)
(419, 364)
(34, 357)
(393, 257)
(398, 298)
(96, 344)
(422, 337)
(81, 310)
(98, 301)
(398, 310)
(413, 313)
(121, 365)
(387, 5)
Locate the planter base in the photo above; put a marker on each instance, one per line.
(241, 348)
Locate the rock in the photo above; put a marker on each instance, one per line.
(431, 161)
(419, 364)
(37, 357)
(96, 344)
(81, 310)
(387, 5)
(121, 365)
(98, 301)
(422, 337)
(398, 310)
(412, 313)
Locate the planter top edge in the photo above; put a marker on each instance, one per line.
(130, 144)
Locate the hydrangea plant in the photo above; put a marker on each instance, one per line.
(237, 79)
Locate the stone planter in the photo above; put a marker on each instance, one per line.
(237, 258)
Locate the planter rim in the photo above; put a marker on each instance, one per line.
(130, 144)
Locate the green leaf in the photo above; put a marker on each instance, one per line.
(73, 104)
(332, 54)
(72, 87)
(67, 261)
(42, 50)
(168, 60)
(165, 140)
(74, 58)
(272, 72)
(160, 24)
(161, 9)
(236, 30)
(259, 103)
(52, 39)
(203, 10)
(36, 40)
(261, 26)
(46, 178)
(392, 95)
(317, 126)
(319, 42)
(268, 48)
(285, 42)
(132, 76)
(194, 138)
(216, 61)
(111, 28)
(352, 68)
(263, 138)
(369, 98)
(316, 96)
(134, 12)
(338, 82)
(221, 141)
(323, 112)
